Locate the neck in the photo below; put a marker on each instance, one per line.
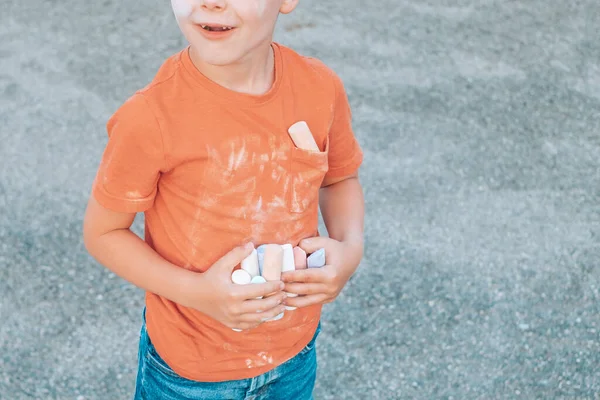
(252, 75)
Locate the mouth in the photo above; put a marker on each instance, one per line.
(216, 28)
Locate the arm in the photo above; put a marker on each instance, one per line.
(109, 240)
(342, 206)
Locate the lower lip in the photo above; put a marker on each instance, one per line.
(215, 35)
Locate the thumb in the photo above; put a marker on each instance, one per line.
(313, 244)
(230, 260)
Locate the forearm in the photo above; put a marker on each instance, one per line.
(342, 206)
(129, 257)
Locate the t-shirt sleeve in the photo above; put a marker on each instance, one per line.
(133, 159)
(345, 153)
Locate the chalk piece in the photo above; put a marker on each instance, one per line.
(241, 277)
(316, 259)
(258, 279)
(299, 258)
(288, 265)
(250, 264)
(302, 136)
(272, 262)
(276, 318)
(288, 258)
(260, 254)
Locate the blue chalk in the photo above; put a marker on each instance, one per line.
(316, 259)
(260, 252)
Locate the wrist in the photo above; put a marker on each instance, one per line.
(354, 252)
(193, 287)
(354, 244)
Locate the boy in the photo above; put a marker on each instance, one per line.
(204, 152)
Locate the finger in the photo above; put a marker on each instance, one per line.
(249, 292)
(230, 260)
(305, 301)
(256, 306)
(314, 275)
(310, 245)
(258, 318)
(305, 288)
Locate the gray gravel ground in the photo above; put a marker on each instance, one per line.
(480, 123)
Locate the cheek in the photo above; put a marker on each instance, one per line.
(256, 10)
(181, 8)
(261, 6)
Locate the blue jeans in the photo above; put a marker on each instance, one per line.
(293, 379)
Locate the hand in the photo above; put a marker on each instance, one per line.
(322, 285)
(236, 306)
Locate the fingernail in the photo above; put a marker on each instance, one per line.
(282, 286)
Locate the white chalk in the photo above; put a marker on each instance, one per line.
(316, 259)
(275, 318)
(241, 277)
(250, 264)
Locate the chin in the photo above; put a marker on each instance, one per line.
(218, 56)
(216, 59)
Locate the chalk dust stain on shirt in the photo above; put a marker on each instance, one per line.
(134, 195)
(235, 172)
(237, 157)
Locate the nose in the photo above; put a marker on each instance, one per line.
(214, 5)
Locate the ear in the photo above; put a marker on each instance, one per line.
(287, 6)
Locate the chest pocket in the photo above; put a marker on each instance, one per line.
(308, 171)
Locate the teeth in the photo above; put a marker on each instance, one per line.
(221, 28)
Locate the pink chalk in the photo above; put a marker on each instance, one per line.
(273, 262)
(288, 258)
(302, 136)
(300, 258)
(288, 265)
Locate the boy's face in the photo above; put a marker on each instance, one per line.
(224, 32)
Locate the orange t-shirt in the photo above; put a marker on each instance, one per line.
(213, 169)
